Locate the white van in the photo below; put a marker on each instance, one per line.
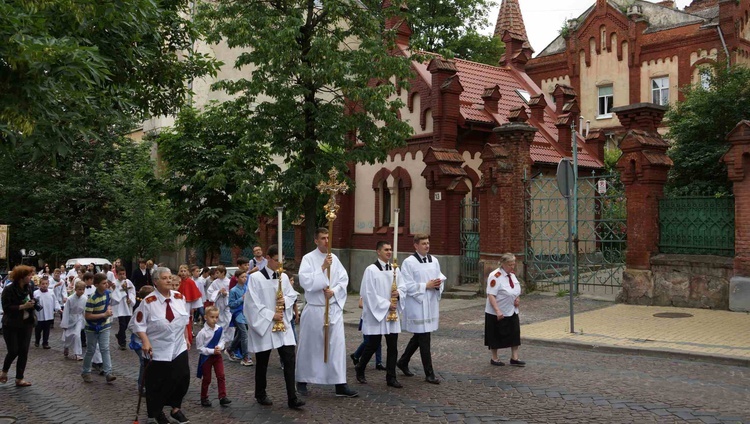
(98, 263)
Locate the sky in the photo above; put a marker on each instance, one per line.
(544, 18)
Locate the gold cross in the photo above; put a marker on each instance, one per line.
(332, 187)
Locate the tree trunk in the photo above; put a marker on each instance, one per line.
(311, 219)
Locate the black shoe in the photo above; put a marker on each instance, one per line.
(46, 346)
(404, 369)
(394, 383)
(224, 401)
(205, 402)
(379, 367)
(355, 360)
(497, 363)
(36, 344)
(123, 347)
(302, 389)
(517, 363)
(264, 400)
(432, 379)
(361, 378)
(296, 403)
(162, 419)
(345, 391)
(179, 416)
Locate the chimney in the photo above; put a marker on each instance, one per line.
(562, 94)
(597, 139)
(537, 105)
(491, 97)
(518, 114)
(517, 51)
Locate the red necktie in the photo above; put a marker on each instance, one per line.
(170, 314)
(510, 280)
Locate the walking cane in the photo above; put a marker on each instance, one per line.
(140, 390)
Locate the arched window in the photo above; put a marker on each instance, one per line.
(385, 205)
(401, 202)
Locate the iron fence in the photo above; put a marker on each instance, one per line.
(697, 225)
(470, 272)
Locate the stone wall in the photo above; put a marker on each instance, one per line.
(691, 281)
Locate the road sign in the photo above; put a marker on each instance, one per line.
(565, 177)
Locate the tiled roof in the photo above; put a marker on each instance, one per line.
(509, 18)
(475, 77)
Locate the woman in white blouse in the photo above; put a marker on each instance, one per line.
(502, 328)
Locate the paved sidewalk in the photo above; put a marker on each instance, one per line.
(718, 336)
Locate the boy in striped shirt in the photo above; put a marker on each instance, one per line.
(98, 314)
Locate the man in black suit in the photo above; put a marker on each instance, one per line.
(141, 276)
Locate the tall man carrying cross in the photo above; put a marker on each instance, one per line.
(321, 352)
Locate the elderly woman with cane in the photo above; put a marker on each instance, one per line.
(19, 320)
(161, 322)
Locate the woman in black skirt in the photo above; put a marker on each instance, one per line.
(501, 325)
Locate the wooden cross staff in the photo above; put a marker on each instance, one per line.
(332, 187)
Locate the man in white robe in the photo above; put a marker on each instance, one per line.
(261, 303)
(314, 280)
(377, 292)
(424, 287)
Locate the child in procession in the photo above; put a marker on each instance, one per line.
(46, 306)
(210, 344)
(72, 323)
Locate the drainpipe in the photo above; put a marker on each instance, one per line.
(723, 42)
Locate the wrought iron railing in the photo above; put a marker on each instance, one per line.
(697, 225)
(470, 272)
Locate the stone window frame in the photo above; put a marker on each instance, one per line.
(401, 194)
(659, 91)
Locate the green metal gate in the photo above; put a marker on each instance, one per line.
(469, 241)
(601, 236)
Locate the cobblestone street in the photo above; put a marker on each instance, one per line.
(558, 386)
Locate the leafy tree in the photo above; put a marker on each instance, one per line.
(318, 96)
(699, 126)
(140, 219)
(70, 70)
(212, 171)
(450, 28)
(56, 208)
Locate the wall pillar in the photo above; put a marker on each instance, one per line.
(643, 168)
(502, 193)
(737, 159)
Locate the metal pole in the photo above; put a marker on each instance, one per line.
(574, 229)
(570, 259)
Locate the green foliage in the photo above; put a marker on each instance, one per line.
(213, 175)
(318, 95)
(698, 128)
(450, 28)
(69, 70)
(72, 207)
(611, 156)
(141, 222)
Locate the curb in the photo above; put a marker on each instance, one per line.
(656, 353)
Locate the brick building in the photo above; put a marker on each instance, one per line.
(621, 52)
(478, 129)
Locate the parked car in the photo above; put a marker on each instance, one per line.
(98, 263)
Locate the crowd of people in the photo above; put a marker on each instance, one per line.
(247, 314)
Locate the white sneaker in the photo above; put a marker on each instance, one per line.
(247, 362)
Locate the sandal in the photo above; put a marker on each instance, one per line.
(4, 378)
(22, 383)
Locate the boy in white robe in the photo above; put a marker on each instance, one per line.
(46, 306)
(218, 293)
(262, 304)
(72, 323)
(424, 287)
(123, 299)
(313, 278)
(377, 296)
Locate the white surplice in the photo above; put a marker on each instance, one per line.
(260, 304)
(310, 365)
(222, 303)
(422, 308)
(49, 305)
(375, 292)
(120, 307)
(72, 323)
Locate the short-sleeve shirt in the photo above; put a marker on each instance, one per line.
(167, 337)
(499, 286)
(97, 304)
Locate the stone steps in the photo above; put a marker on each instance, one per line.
(465, 291)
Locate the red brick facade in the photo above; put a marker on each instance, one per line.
(738, 166)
